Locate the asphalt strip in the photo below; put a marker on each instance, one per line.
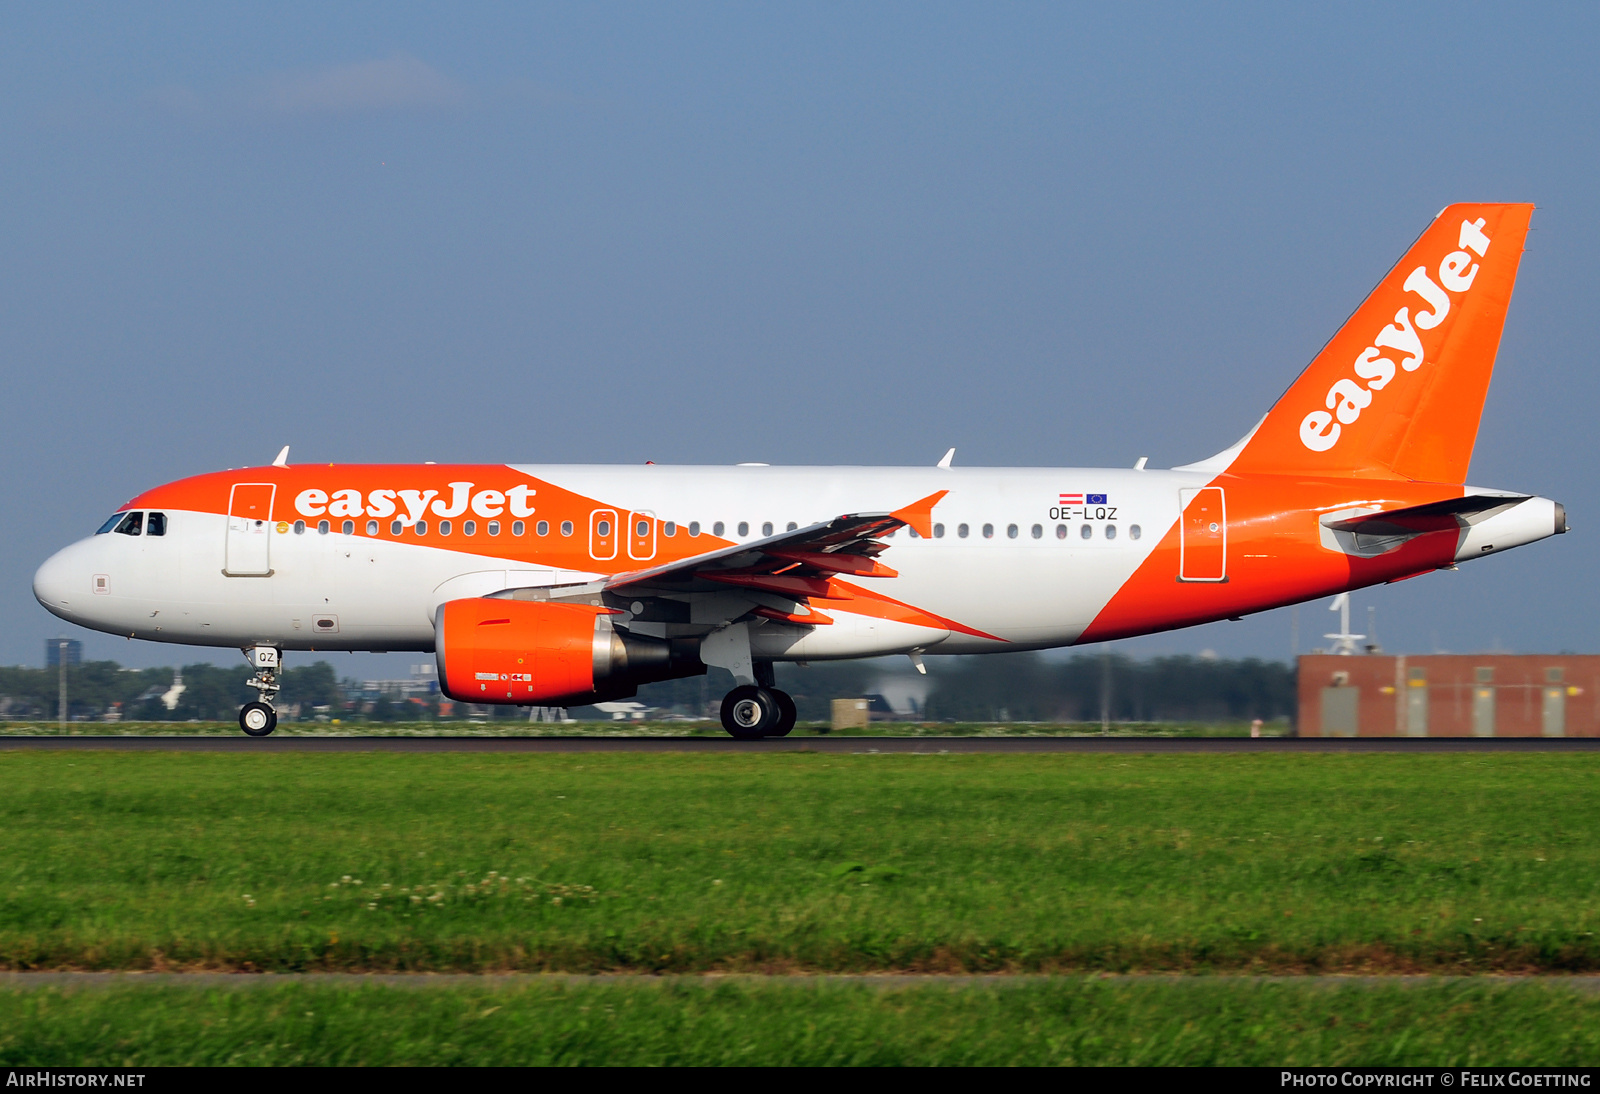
(855, 745)
(33, 981)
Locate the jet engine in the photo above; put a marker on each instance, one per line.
(537, 653)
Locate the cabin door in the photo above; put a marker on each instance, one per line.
(1203, 535)
(249, 530)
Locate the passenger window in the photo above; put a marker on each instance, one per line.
(1087, 531)
(766, 529)
(395, 528)
(1011, 531)
(155, 524)
(791, 526)
(421, 527)
(988, 531)
(1133, 531)
(566, 527)
(913, 531)
(372, 527)
(744, 528)
(300, 527)
(110, 523)
(603, 529)
(694, 528)
(348, 528)
(469, 527)
(1061, 531)
(641, 529)
(542, 528)
(132, 524)
(938, 531)
(716, 529)
(1037, 531)
(322, 527)
(1111, 531)
(670, 528)
(961, 530)
(493, 528)
(444, 528)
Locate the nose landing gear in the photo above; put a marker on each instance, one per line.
(259, 718)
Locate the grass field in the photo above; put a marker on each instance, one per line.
(505, 727)
(1067, 1021)
(799, 861)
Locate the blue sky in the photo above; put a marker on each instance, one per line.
(1046, 235)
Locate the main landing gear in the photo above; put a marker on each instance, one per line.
(756, 708)
(750, 712)
(259, 718)
(759, 709)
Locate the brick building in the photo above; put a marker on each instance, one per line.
(1450, 695)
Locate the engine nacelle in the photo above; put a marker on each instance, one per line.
(535, 653)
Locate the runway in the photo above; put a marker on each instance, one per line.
(849, 745)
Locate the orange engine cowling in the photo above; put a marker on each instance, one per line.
(535, 653)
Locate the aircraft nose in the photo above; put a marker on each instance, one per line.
(58, 585)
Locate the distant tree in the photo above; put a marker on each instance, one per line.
(350, 702)
(314, 685)
(212, 693)
(93, 688)
(1016, 687)
(1003, 687)
(1027, 687)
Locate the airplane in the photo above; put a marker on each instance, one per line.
(568, 585)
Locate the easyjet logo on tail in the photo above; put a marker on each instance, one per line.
(1347, 398)
(415, 503)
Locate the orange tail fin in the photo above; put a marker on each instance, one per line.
(1399, 390)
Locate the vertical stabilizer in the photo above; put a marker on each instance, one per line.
(1398, 392)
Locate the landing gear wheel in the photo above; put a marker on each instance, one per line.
(749, 712)
(257, 719)
(786, 715)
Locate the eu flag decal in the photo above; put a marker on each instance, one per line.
(1094, 499)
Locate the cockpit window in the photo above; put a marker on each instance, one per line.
(155, 524)
(109, 524)
(131, 525)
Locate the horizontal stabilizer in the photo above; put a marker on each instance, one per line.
(1432, 517)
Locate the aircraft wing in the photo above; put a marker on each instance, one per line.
(795, 566)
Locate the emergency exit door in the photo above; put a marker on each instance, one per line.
(249, 530)
(642, 536)
(1203, 535)
(603, 535)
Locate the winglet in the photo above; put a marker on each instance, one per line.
(283, 458)
(948, 456)
(919, 514)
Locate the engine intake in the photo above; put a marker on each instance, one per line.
(535, 653)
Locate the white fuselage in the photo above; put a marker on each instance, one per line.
(1036, 579)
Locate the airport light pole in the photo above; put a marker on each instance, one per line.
(1105, 689)
(61, 664)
